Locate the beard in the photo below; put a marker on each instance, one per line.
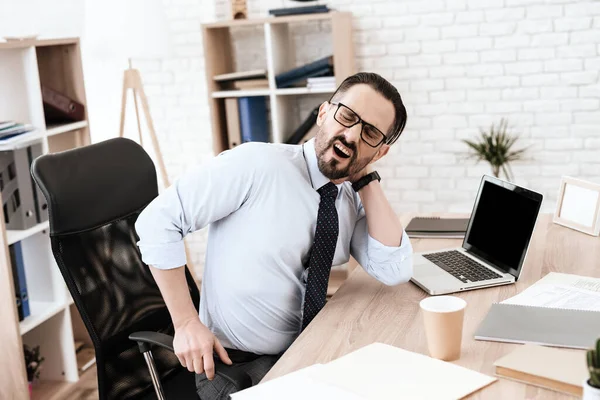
(332, 168)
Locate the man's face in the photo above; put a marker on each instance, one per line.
(340, 150)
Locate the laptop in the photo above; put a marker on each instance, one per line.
(494, 247)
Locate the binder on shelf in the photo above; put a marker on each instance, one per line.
(41, 205)
(17, 189)
(232, 116)
(18, 267)
(305, 127)
(59, 108)
(253, 119)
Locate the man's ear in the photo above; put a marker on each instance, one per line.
(383, 150)
(323, 108)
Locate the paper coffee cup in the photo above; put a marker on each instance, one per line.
(443, 317)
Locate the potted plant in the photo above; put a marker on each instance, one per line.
(495, 147)
(591, 386)
(33, 363)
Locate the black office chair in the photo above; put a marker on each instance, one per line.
(95, 194)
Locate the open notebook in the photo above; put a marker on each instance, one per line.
(376, 371)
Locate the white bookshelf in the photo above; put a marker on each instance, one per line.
(277, 54)
(54, 323)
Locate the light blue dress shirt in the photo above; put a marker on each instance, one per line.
(260, 203)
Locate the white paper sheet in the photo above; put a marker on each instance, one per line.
(300, 385)
(558, 290)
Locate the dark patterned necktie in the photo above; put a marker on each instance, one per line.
(321, 254)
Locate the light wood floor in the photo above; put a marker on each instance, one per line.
(85, 389)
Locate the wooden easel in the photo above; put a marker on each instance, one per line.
(133, 80)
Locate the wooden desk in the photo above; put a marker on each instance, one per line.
(365, 311)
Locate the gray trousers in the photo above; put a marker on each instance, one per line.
(220, 388)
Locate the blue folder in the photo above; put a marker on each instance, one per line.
(253, 119)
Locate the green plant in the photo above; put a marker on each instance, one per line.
(33, 362)
(495, 147)
(593, 362)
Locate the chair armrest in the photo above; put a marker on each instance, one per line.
(145, 339)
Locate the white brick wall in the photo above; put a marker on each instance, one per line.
(460, 65)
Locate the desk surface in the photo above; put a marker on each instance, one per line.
(364, 311)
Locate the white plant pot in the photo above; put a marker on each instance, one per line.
(590, 392)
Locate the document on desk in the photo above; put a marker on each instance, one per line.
(376, 371)
(557, 290)
(381, 371)
(299, 385)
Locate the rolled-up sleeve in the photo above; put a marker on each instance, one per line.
(391, 265)
(202, 195)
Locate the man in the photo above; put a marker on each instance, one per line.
(280, 216)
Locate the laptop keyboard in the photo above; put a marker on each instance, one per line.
(461, 266)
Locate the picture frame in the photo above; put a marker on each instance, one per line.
(578, 205)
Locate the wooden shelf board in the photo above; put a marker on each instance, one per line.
(52, 130)
(41, 311)
(22, 140)
(303, 90)
(36, 43)
(271, 20)
(14, 236)
(240, 93)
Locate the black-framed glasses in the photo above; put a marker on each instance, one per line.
(348, 118)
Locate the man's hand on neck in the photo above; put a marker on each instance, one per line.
(354, 177)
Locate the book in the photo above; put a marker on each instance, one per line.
(20, 280)
(250, 84)
(560, 370)
(436, 227)
(320, 67)
(557, 327)
(279, 12)
(241, 75)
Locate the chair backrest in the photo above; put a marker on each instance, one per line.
(95, 194)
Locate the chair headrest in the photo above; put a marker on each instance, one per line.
(90, 186)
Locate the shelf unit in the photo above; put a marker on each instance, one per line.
(280, 55)
(287, 107)
(54, 323)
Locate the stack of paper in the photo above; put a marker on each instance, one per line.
(557, 290)
(377, 371)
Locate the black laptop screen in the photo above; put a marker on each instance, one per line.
(502, 225)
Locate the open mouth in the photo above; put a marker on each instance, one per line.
(341, 150)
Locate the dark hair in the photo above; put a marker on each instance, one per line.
(387, 90)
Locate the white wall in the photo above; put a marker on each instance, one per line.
(461, 65)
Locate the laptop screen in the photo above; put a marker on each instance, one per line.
(502, 223)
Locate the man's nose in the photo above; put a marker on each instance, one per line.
(352, 134)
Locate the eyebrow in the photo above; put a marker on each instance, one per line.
(359, 116)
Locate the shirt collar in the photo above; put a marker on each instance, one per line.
(316, 176)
